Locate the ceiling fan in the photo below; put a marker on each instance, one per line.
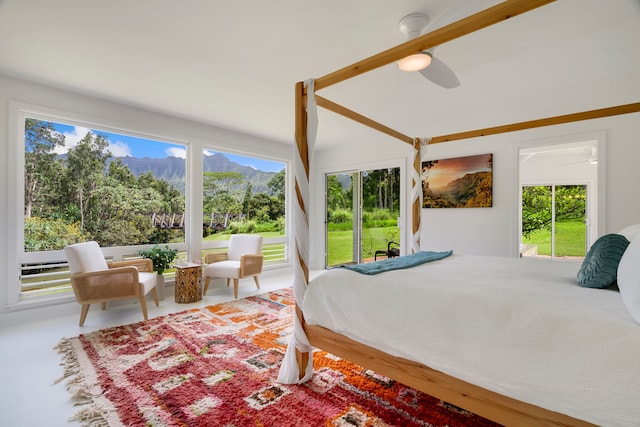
(428, 65)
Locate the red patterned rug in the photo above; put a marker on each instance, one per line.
(217, 366)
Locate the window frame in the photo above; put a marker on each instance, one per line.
(18, 113)
(219, 245)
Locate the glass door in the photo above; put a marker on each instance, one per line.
(342, 232)
(554, 222)
(362, 210)
(380, 207)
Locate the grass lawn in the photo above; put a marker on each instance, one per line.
(570, 239)
(340, 243)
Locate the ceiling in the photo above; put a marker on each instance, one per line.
(233, 64)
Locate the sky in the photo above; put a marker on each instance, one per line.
(124, 145)
(447, 170)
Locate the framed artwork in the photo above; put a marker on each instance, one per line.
(460, 182)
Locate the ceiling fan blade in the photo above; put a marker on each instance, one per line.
(440, 73)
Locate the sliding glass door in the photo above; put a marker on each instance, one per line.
(363, 207)
(554, 222)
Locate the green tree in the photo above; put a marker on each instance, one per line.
(86, 164)
(537, 206)
(246, 202)
(277, 185)
(266, 208)
(337, 197)
(173, 200)
(40, 166)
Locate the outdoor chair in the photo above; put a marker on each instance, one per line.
(243, 259)
(389, 253)
(95, 281)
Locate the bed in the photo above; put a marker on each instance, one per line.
(521, 328)
(583, 383)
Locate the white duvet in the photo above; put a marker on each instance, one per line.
(519, 327)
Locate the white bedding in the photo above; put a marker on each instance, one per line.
(519, 327)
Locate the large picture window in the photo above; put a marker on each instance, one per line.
(244, 194)
(82, 183)
(75, 179)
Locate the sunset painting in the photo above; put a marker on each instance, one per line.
(461, 182)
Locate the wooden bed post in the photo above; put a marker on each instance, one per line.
(416, 196)
(301, 228)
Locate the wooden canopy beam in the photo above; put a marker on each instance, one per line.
(549, 121)
(344, 111)
(485, 18)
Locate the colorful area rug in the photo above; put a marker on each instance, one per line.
(217, 366)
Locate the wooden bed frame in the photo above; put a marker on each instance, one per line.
(488, 404)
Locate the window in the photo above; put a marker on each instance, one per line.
(562, 193)
(554, 221)
(83, 183)
(244, 194)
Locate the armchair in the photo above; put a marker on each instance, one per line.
(243, 259)
(95, 281)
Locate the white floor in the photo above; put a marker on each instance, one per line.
(29, 365)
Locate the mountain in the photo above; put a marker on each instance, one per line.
(472, 186)
(172, 170)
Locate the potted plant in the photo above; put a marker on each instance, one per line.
(161, 259)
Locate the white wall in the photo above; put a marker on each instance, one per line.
(491, 231)
(111, 115)
(494, 231)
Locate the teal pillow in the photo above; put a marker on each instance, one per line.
(600, 266)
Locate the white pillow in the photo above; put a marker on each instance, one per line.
(630, 232)
(629, 278)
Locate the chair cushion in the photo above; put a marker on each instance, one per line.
(147, 281)
(241, 244)
(85, 257)
(228, 269)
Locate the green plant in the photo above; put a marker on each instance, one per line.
(160, 257)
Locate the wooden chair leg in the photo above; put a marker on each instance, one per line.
(235, 287)
(206, 284)
(228, 282)
(83, 313)
(154, 293)
(255, 278)
(143, 306)
(103, 306)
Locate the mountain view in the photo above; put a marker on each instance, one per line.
(172, 170)
(470, 190)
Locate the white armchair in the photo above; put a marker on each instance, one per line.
(243, 259)
(95, 281)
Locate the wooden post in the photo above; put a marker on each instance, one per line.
(416, 193)
(301, 226)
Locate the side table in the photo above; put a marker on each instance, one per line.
(188, 283)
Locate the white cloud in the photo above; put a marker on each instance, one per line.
(72, 138)
(119, 149)
(180, 153)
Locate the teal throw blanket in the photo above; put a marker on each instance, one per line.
(405, 261)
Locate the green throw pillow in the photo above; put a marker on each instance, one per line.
(600, 266)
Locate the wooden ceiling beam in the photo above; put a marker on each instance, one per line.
(549, 121)
(344, 111)
(478, 21)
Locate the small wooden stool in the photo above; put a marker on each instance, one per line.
(188, 283)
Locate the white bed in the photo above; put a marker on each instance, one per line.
(522, 328)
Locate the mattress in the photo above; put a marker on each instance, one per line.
(518, 326)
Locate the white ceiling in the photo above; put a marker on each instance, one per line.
(233, 64)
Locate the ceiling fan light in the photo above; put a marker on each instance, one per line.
(415, 62)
